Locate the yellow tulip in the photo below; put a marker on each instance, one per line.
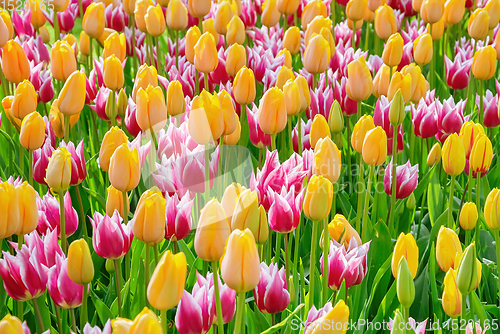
(155, 21)
(402, 82)
(15, 65)
(235, 31)
(62, 61)
(124, 168)
(311, 10)
(177, 15)
(479, 24)
(192, 36)
(28, 213)
(485, 63)
(272, 112)
(93, 20)
(113, 73)
(284, 75)
(373, 5)
(288, 7)
(434, 156)
(230, 198)
(481, 154)
(206, 58)
(229, 115)
(393, 50)
(80, 265)
(209, 26)
(176, 105)
(57, 120)
(405, 247)
(234, 137)
(58, 174)
(453, 155)
(148, 225)
(416, 76)
(327, 160)
(140, 11)
(317, 56)
(151, 109)
(270, 14)
(341, 231)
(452, 298)
(361, 128)
(431, 11)
(11, 325)
(492, 209)
(305, 94)
(244, 86)
(292, 98)
(355, 9)
(493, 8)
(291, 40)
(375, 147)
(246, 212)
(448, 246)
(25, 100)
(422, 49)
(359, 82)
(319, 130)
(315, 27)
(318, 198)
(146, 322)
(468, 216)
(32, 134)
(206, 120)
(223, 16)
(236, 58)
(381, 81)
(85, 43)
(129, 6)
(116, 45)
(114, 138)
(335, 321)
(6, 27)
(121, 325)
(437, 29)
(9, 210)
(199, 8)
(288, 57)
(454, 11)
(114, 201)
(71, 98)
(146, 75)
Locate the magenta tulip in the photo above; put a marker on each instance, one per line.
(49, 219)
(490, 108)
(63, 291)
(178, 217)
(111, 238)
(78, 166)
(425, 119)
(458, 71)
(284, 213)
(406, 179)
(271, 294)
(257, 137)
(47, 247)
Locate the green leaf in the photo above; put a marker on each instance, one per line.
(283, 323)
(435, 198)
(103, 311)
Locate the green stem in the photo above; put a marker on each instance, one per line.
(367, 201)
(277, 254)
(38, 314)
(299, 134)
(58, 319)
(207, 174)
(118, 288)
(196, 82)
(349, 167)
(177, 49)
(287, 263)
(156, 254)
(360, 196)
(66, 128)
(73, 320)
(147, 262)
(450, 203)
(83, 309)
(63, 222)
(312, 265)
(478, 205)
(30, 163)
(240, 312)
(463, 314)
(326, 252)
(218, 307)
(82, 213)
(273, 142)
(164, 321)
(406, 313)
(159, 59)
(290, 141)
(206, 81)
(481, 109)
(21, 160)
(392, 213)
(57, 34)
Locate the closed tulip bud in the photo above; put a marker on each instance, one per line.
(234, 137)
(236, 58)
(454, 11)
(397, 109)
(229, 115)
(166, 286)
(292, 98)
(434, 156)
(431, 11)
(393, 50)
(288, 7)
(452, 298)
(469, 216)
(28, 213)
(272, 113)
(177, 15)
(209, 26)
(206, 120)
(411, 202)
(212, 226)
(398, 325)
(288, 57)
(114, 201)
(319, 130)
(478, 24)
(149, 220)
(335, 118)
(122, 103)
(151, 111)
(121, 325)
(400, 82)
(124, 168)
(155, 21)
(113, 73)
(246, 212)
(223, 16)
(373, 5)
(469, 271)
(240, 264)
(140, 10)
(93, 20)
(405, 286)
(263, 229)
(9, 212)
(327, 160)
(25, 100)
(375, 147)
(492, 209)
(235, 31)
(422, 49)
(405, 247)
(318, 198)
(270, 14)
(114, 138)
(385, 22)
(305, 95)
(313, 9)
(437, 29)
(80, 265)
(44, 32)
(453, 155)
(448, 246)
(62, 61)
(361, 128)
(284, 75)
(244, 90)
(493, 8)
(359, 81)
(176, 105)
(291, 40)
(481, 154)
(381, 81)
(315, 27)
(230, 198)
(416, 74)
(15, 65)
(145, 322)
(199, 8)
(317, 55)
(71, 99)
(84, 45)
(58, 174)
(146, 75)
(32, 135)
(355, 9)
(116, 45)
(484, 63)
(205, 53)
(192, 36)
(5, 29)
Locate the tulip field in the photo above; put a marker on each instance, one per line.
(331, 164)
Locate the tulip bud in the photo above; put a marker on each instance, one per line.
(431, 11)
(335, 118)
(32, 135)
(381, 81)
(485, 63)
(362, 126)
(229, 115)
(44, 32)
(292, 98)
(284, 75)
(58, 174)
(149, 220)
(291, 40)
(25, 100)
(15, 65)
(110, 266)
(234, 137)
(167, 283)
(146, 322)
(452, 298)
(398, 326)
(317, 55)
(359, 81)
(177, 15)
(393, 50)
(319, 130)
(62, 61)
(270, 14)
(491, 209)
(422, 49)
(263, 229)
(114, 201)
(405, 247)
(318, 198)
(355, 9)
(209, 26)
(246, 212)
(469, 271)
(84, 43)
(385, 22)
(124, 168)
(434, 156)
(199, 8)
(212, 226)
(493, 8)
(122, 103)
(11, 325)
(114, 138)
(240, 264)
(288, 57)
(374, 149)
(116, 45)
(176, 105)
(155, 21)
(236, 59)
(80, 265)
(206, 120)
(405, 286)
(447, 248)
(244, 86)
(478, 24)
(481, 154)
(71, 99)
(397, 109)
(327, 160)
(454, 11)
(272, 113)
(235, 31)
(315, 27)
(146, 75)
(469, 216)
(192, 36)
(305, 95)
(453, 155)
(151, 113)
(93, 20)
(206, 58)
(400, 82)
(113, 73)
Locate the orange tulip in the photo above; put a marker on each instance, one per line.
(359, 82)
(15, 65)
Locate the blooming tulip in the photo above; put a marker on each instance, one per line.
(71, 98)
(151, 109)
(318, 198)
(406, 179)
(422, 49)
(339, 316)
(319, 130)
(64, 292)
(212, 226)
(452, 298)
(359, 82)
(400, 82)
(484, 63)
(116, 45)
(246, 212)
(175, 99)
(205, 54)
(491, 209)
(49, 215)
(453, 155)
(149, 220)
(284, 213)
(11, 324)
(178, 217)
(374, 149)
(292, 98)
(62, 61)
(32, 135)
(381, 81)
(93, 20)
(405, 247)
(385, 22)
(479, 24)
(425, 120)
(342, 232)
(111, 239)
(271, 294)
(457, 72)
(15, 64)
(447, 248)
(355, 9)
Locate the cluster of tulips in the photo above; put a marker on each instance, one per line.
(286, 166)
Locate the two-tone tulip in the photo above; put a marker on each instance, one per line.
(481, 154)
(111, 238)
(64, 292)
(492, 209)
(468, 216)
(271, 294)
(453, 155)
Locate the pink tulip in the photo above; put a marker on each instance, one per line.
(248, 14)
(344, 33)
(185, 75)
(346, 57)
(138, 40)
(91, 90)
(111, 238)
(374, 63)
(41, 161)
(450, 117)
(406, 179)
(403, 6)
(42, 81)
(349, 107)
(268, 39)
(413, 29)
(271, 176)
(99, 105)
(219, 76)
(78, 167)
(490, 108)
(458, 71)
(22, 22)
(67, 18)
(271, 294)
(284, 213)
(425, 119)
(116, 18)
(47, 247)
(63, 291)
(321, 102)
(85, 4)
(24, 277)
(130, 120)
(381, 115)
(257, 137)
(174, 140)
(192, 167)
(194, 314)
(168, 176)
(314, 314)
(227, 296)
(142, 149)
(49, 132)
(88, 329)
(417, 327)
(50, 220)
(305, 130)
(36, 51)
(407, 55)
(178, 217)
(478, 330)
(260, 59)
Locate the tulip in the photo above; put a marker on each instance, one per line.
(148, 224)
(327, 159)
(223, 16)
(145, 322)
(405, 287)
(146, 76)
(359, 82)
(315, 27)
(481, 154)
(111, 239)
(28, 213)
(484, 63)
(93, 20)
(317, 55)
(32, 135)
(400, 82)
(167, 283)
(425, 120)
(453, 155)
(205, 53)
(177, 15)
(64, 292)
(199, 8)
(335, 118)
(114, 201)
(381, 81)
(469, 271)
(178, 217)
(397, 109)
(209, 26)
(270, 14)
(116, 45)
(155, 21)
(49, 216)
(113, 73)
(374, 148)
(25, 100)
(121, 325)
(12, 325)
(80, 265)
(124, 168)
(175, 99)
(434, 156)
(230, 198)
(272, 112)
(246, 212)
(355, 9)
(244, 86)
(284, 213)
(192, 36)
(229, 115)
(491, 211)
(452, 298)
(493, 8)
(206, 121)
(285, 74)
(71, 98)
(339, 316)
(151, 109)
(454, 11)
(319, 130)
(84, 44)
(450, 118)
(292, 98)
(15, 64)
(393, 50)
(311, 10)
(235, 31)
(431, 11)
(406, 179)
(405, 247)
(9, 213)
(236, 59)
(58, 175)
(234, 137)
(140, 11)
(469, 216)
(24, 277)
(422, 87)
(342, 232)
(291, 40)
(288, 7)
(318, 198)
(113, 139)
(62, 61)
(479, 24)
(422, 49)
(447, 248)
(385, 22)
(271, 294)
(213, 226)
